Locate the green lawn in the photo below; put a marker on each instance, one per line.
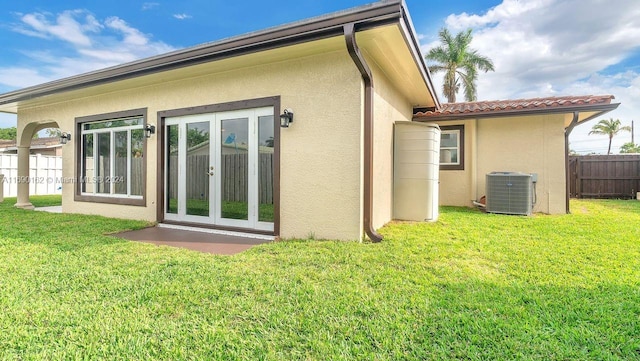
(231, 210)
(471, 286)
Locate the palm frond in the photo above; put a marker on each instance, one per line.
(459, 63)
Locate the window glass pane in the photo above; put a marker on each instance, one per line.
(88, 184)
(137, 157)
(198, 167)
(113, 123)
(120, 163)
(449, 156)
(172, 169)
(265, 168)
(235, 171)
(103, 164)
(449, 140)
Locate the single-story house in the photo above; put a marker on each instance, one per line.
(44, 146)
(522, 136)
(293, 127)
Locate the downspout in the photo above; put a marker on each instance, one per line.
(361, 64)
(567, 132)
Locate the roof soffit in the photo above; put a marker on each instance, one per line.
(387, 47)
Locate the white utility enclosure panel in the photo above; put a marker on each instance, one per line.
(416, 171)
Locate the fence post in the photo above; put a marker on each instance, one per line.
(1, 188)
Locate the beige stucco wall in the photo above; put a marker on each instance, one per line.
(530, 144)
(321, 151)
(533, 144)
(389, 107)
(458, 187)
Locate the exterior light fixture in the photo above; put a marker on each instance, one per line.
(286, 118)
(149, 129)
(65, 138)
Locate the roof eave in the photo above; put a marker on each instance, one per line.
(367, 16)
(414, 47)
(600, 108)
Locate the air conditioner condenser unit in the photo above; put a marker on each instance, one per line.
(510, 192)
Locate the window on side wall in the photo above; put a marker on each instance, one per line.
(111, 163)
(452, 147)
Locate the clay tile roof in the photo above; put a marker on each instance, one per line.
(37, 142)
(535, 104)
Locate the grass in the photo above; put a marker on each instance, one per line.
(471, 286)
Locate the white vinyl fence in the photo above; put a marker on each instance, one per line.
(45, 174)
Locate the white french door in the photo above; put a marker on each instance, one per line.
(218, 169)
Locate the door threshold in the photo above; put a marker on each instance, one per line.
(217, 231)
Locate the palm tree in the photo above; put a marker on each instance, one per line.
(610, 128)
(459, 63)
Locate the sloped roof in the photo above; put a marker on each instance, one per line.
(45, 142)
(561, 104)
(380, 14)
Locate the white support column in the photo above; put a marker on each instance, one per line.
(23, 179)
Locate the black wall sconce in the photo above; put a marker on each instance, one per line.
(149, 130)
(286, 118)
(65, 138)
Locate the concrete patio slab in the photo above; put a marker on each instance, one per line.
(52, 209)
(202, 241)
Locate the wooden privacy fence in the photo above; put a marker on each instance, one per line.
(604, 176)
(119, 175)
(45, 174)
(234, 177)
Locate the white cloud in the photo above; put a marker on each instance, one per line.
(558, 47)
(70, 26)
(131, 36)
(87, 44)
(18, 77)
(182, 16)
(149, 6)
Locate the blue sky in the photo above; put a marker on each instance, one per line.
(540, 47)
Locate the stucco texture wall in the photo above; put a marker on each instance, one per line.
(528, 144)
(458, 187)
(532, 144)
(389, 107)
(320, 152)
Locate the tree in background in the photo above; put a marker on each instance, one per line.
(53, 132)
(459, 63)
(610, 128)
(8, 133)
(630, 148)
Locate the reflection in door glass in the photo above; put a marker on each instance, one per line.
(265, 168)
(172, 169)
(197, 169)
(103, 166)
(88, 175)
(120, 163)
(234, 174)
(137, 161)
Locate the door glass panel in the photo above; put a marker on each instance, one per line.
(172, 169)
(88, 181)
(265, 169)
(197, 169)
(137, 150)
(120, 163)
(234, 170)
(103, 166)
